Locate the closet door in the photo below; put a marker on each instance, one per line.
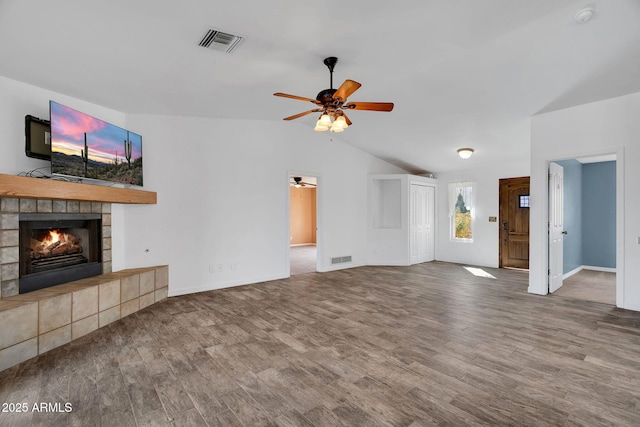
(421, 223)
(430, 223)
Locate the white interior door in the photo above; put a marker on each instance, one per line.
(421, 220)
(556, 231)
(415, 225)
(430, 219)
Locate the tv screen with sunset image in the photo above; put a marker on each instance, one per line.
(85, 147)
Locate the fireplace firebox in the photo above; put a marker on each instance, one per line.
(57, 248)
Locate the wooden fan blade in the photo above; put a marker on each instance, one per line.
(370, 106)
(345, 90)
(302, 114)
(301, 98)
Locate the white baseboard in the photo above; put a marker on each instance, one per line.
(605, 269)
(587, 267)
(228, 284)
(536, 291)
(565, 276)
(389, 263)
(632, 307)
(342, 266)
(251, 281)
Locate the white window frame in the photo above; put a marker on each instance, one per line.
(468, 190)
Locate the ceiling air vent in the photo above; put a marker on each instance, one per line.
(219, 40)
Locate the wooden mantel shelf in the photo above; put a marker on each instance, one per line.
(23, 187)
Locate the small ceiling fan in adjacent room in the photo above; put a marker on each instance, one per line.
(332, 103)
(298, 182)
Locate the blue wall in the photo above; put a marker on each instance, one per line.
(599, 214)
(589, 214)
(572, 218)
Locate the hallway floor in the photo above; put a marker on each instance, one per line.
(303, 259)
(590, 285)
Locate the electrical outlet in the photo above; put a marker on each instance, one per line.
(212, 268)
(232, 266)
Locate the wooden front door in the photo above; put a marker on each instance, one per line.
(514, 222)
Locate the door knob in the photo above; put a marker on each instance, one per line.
(565, 232)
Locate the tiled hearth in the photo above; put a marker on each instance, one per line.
(10, 209)
(36, 322)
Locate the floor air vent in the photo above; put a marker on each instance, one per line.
(219, 40)
(341, 259)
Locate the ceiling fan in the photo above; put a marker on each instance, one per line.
(297, 182)
(333, 103)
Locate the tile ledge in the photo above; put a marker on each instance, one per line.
(67, 288)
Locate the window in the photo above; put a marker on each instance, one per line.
(524, 201)
(461, 211)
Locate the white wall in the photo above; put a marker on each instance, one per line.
(484, 250)
(389, 222)
(609, 126)
(19, 99)
(222, 190)
(16, 101)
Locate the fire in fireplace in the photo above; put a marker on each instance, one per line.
(58, 248)
(55, 249)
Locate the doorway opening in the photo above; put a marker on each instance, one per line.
(583, 228)
(514, 223)
(303, 208)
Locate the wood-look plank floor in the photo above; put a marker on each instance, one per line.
(590, 285)
(430, 344)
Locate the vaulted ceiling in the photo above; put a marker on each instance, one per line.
(460, 72)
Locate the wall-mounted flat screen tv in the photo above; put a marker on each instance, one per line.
(85, 147)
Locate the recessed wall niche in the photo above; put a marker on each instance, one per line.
(386, 200)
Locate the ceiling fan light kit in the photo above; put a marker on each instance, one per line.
(465, 153)
(299, 183)
(323, 123)
(332, 103)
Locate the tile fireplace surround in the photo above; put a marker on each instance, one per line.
(10, 209)
(36, 322)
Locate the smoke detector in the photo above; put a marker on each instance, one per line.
(220, 40)
(584, 15)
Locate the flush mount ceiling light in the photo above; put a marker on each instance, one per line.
(465, 153)
(584, 15)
